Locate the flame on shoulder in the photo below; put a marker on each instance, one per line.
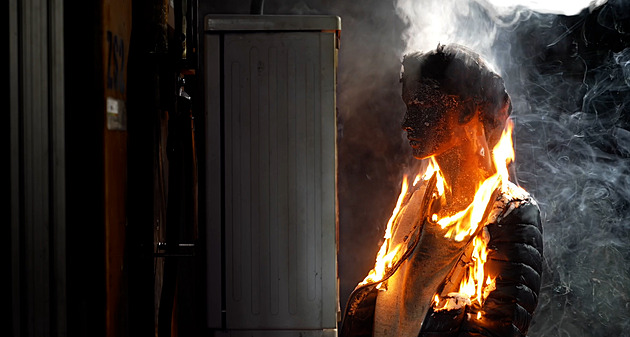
(476, 285)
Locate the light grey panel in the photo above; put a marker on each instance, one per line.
(279, 175)
(327, 115)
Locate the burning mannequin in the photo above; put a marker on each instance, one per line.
(463, 250)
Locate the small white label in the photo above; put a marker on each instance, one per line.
(116, 114)
(112, 106)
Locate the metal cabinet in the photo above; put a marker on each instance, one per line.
(271, 209)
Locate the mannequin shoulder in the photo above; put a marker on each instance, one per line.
(515, 205)
(516, 218)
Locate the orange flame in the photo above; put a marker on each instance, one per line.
(476, 285)
(384, 259)
(465, 223)
(385, 256)
(431, 169)
(471, 286)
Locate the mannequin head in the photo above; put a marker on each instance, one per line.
(448, 92)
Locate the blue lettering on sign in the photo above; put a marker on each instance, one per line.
(115, 62)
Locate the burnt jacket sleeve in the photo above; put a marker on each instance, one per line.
(515, 260)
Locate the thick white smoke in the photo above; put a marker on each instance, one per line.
(560, 7)
(474, 23)
(571, 99)
(429, 23)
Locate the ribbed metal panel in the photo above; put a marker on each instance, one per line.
(278, 178)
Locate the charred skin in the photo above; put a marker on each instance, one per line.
(515, 259)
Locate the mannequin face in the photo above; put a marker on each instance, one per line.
(432, 121)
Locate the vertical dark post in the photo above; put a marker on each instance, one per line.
(146, 185)
(36, 179)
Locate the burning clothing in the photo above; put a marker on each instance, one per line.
(513, 234)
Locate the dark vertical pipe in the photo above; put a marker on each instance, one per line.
(84, 169)
(146, 58)
(180, 208)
